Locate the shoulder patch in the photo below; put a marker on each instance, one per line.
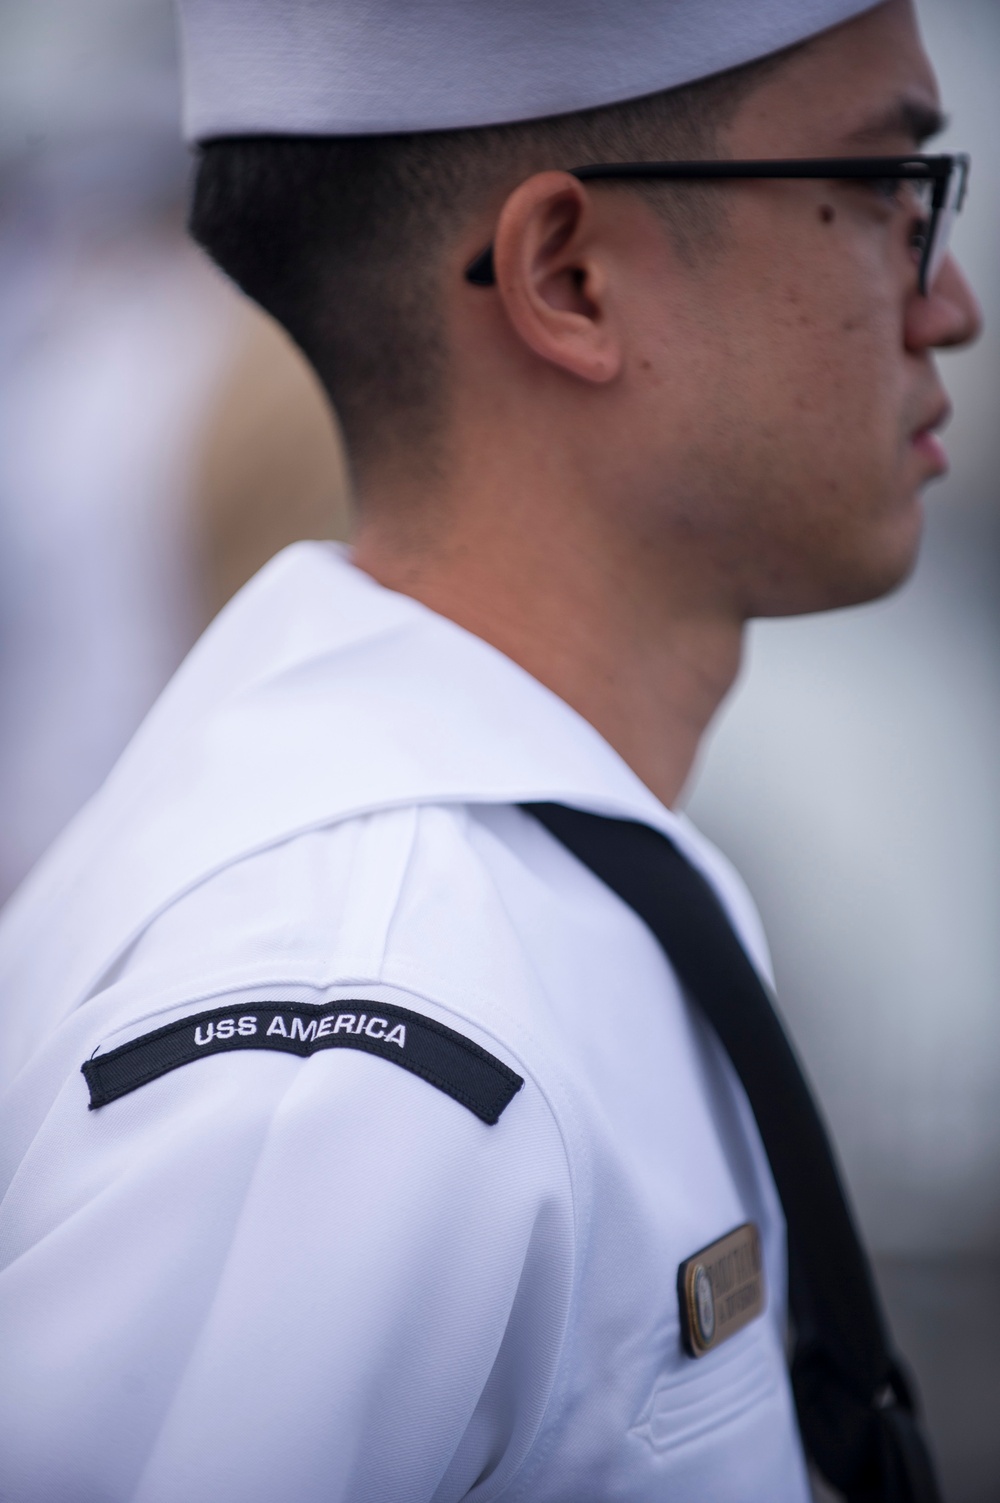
(437, 1054)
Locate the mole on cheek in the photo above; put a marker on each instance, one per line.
(827, 214)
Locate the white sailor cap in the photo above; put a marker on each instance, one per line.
(361, 67)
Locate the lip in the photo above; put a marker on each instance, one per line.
(927, 442)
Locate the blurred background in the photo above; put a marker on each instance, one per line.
(160, 439)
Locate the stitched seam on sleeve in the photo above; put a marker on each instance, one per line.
(397, 900)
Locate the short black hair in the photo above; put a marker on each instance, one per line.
(341, 238)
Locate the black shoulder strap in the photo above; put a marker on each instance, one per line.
(856, 1409)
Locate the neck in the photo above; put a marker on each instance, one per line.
(622, 635)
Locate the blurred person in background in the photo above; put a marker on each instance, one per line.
(405, 553)
(139, 395)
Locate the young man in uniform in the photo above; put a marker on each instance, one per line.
(435, 1137)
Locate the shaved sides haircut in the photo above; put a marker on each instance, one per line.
(344, 239)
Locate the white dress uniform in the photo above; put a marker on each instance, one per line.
(321, 1276)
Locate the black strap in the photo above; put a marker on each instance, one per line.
(856, 1408)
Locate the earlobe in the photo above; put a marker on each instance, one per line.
(552, 277)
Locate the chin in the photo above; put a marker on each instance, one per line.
(894, 562)
(851, 570)
(877, 582)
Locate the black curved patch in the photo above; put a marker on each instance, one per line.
(437, 1054)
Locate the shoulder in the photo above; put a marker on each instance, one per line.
(282, 1146)
(410, 897)
(271, 1024)
(381, 941)
(472, 916)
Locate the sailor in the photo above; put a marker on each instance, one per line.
(394, 1105)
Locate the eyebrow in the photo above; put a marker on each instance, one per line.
(907, 117)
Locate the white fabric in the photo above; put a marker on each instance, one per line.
(323, 1279)
(343, 67)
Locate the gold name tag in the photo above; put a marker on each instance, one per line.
(720, 1290)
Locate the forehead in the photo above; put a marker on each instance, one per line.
(866, 86)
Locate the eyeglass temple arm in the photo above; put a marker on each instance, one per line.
(481, 272)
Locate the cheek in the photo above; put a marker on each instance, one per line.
(800, 462)
(825, 392)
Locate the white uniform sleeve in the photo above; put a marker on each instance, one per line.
(268, 1278)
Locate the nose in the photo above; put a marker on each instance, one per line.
(948, 316)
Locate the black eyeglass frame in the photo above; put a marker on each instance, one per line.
(937, 170)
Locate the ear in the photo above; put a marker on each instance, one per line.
(553, 279)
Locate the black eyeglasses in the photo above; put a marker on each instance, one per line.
(939, 182)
